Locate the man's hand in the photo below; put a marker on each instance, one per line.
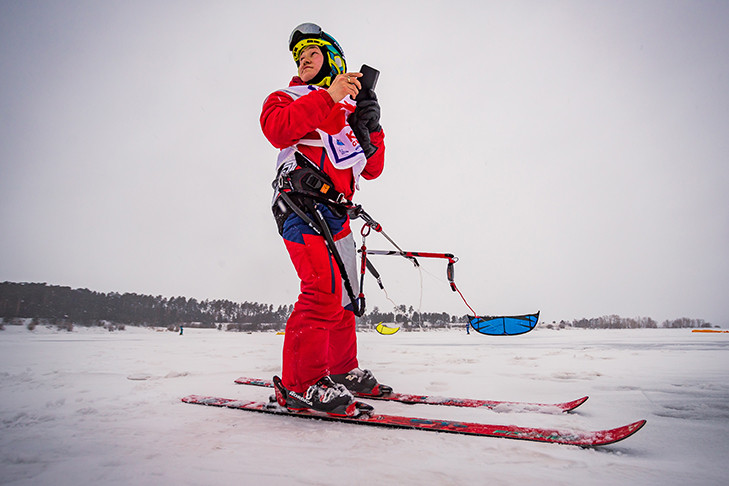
(345, 85)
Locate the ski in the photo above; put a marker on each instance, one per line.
(495, 405)
(533, 434)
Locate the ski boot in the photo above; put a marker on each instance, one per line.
(362, 383)
(323, 396)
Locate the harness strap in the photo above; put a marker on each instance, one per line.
(357, 307)
(309, 184)
(301, 186)
(308, 180)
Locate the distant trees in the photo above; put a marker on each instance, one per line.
(617, 322)
(686, 322)
(64, 307)
(85, 307)
(408, 318)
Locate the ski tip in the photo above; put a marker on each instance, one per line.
(569, 406)
(620, 433)
(253, 381)
(631, 429)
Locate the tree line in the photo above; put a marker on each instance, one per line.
(617, 322)
(88, 308)
(63, 305)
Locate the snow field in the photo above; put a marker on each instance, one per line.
(90, 406)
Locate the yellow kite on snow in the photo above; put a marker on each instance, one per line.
(382, 329)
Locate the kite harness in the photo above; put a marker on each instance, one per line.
(301, 187)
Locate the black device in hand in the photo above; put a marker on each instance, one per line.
(368, 81)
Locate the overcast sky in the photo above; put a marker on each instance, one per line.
(573, 154)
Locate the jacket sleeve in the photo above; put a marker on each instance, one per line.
(285, 121)
(376, 162)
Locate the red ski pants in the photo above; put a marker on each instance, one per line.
(320, 333)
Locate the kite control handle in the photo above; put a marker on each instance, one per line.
(451, 272)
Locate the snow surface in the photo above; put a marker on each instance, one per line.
(95, 407)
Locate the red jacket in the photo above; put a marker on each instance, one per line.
(285, 121)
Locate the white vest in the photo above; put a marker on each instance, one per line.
(342, 148)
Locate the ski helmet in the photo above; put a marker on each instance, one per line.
(309, 34)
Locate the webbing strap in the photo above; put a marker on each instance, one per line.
(357, 308)
(319, 225)
(309, 181)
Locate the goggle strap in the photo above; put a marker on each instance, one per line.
(296, 51)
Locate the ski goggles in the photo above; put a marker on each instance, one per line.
(306, 29)
(312, 33)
